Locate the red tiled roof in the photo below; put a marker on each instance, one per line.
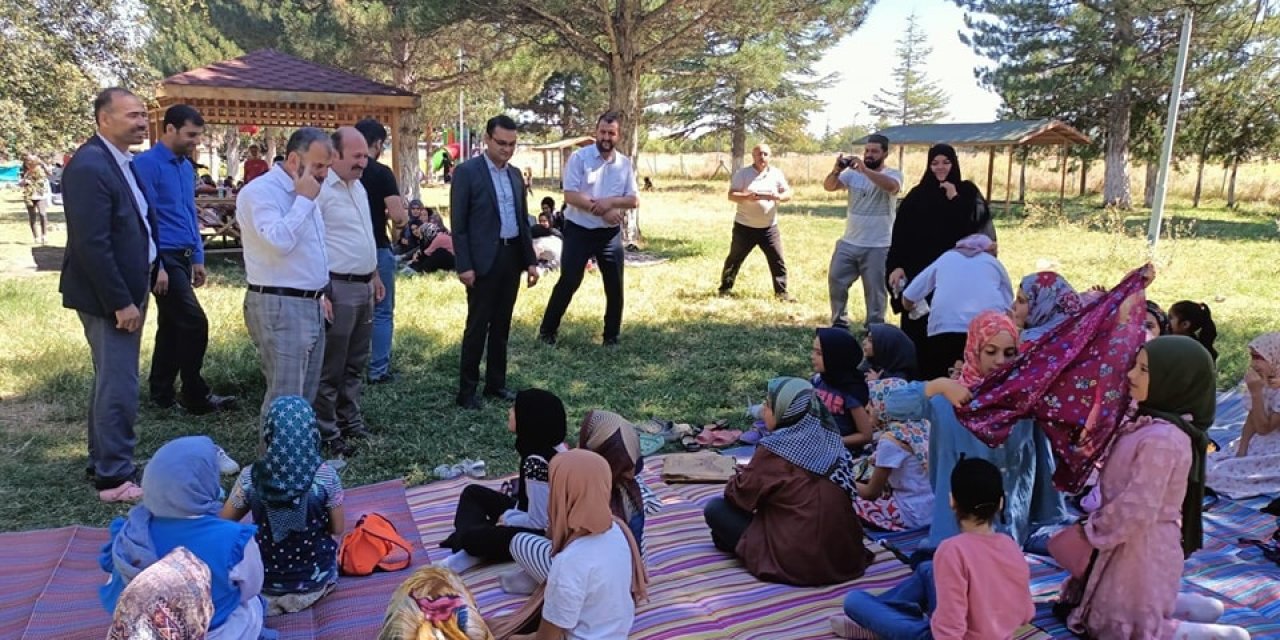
(271, 70)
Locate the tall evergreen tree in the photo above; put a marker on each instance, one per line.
(914, 98)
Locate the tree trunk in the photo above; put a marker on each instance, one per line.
(1231, 186)
(1195, 199)
(233, 152)
(1115, 187)
(624, 95)
(406, 137)
(738, 145)
(269, 133)
(1084, 177)
(1149, 184)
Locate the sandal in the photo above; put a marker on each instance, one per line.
(679, 431)
(127, 492)
(690, 443)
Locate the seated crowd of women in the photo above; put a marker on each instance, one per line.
(977, 457)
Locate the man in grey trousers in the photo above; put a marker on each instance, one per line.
(354, 287)
(868, 232)
(287, 267)
(106, 273)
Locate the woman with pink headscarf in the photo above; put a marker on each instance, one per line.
(1251, 465)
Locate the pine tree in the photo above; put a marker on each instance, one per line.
(914, 98)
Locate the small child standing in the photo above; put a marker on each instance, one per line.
(840, 384)
(296, 500)
(943, 599)
(1194, 319)
(964, 281)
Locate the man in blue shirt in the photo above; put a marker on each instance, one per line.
(165, 173)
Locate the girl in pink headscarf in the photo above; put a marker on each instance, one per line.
(1251, 465)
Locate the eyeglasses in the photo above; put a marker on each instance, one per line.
(503, 143)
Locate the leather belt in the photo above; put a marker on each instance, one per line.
(352, 277)
(508, 242)
(289, 292)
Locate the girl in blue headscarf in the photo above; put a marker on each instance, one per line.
(296, 499)
(179, 508)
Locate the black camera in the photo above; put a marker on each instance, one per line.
(844, 162)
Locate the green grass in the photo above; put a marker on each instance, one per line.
(686, 355)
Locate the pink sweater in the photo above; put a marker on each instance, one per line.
(983, 586)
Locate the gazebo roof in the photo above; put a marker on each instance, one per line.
(1001, 133)
(271, 70)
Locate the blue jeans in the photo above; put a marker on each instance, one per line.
(899, 613)
(384, 322)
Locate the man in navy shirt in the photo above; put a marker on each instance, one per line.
(166, 174)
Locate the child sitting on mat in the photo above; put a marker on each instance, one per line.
(1194, 319)
(840, 385)
(977, 586)
(896, 495)
(1251, 466)
(296, 500)
(487, 520)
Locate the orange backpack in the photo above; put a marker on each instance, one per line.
(369, 545)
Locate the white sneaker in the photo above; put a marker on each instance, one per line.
(226, 464)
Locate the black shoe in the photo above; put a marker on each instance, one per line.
(724, 293)
(501, 393)
(163, 402)
(610, 342)
(339, 448)
(548, 339)
(356, 433)
(386, 379)
(784, 297)
(211, 404)
(469, 401)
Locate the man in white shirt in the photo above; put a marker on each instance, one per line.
(287, 267)
(862, 251)
(757, 189)
(599, 186)
(354, 287)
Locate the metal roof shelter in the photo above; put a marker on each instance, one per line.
(561, 149)
(273, 89)
(993, 135)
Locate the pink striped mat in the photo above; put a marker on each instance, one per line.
(696, 591)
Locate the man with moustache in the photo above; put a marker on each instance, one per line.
(354, 287)
(599, 186)
(285, 262)
(862, 251)
(166, 174)
(757, 189)
(106, 271)
(489, 209)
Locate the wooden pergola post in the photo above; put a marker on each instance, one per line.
(1008, 184)
(991, 168)
(1062, 188)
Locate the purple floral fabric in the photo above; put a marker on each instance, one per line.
(1072, 381)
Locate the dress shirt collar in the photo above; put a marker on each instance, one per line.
(493, 167)
(122, 157)
(281, 177)
(167, 154)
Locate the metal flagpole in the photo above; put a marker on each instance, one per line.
(1170, 127)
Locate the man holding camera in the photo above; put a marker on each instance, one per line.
(862, 251)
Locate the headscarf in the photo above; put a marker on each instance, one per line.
(1183, 382)
(1162, 318)
(841, 357)
(283, 478)
(180, 481)
(540, 423)
(169, 600)
(433, 603)
(1050, 299)
(1266, 347)
(914, 434)
(1071, 382)
(615, 439)
(578, 506)
(982, 329)
(975, 243)
(894, 354)
(929, 190)
(804, 438)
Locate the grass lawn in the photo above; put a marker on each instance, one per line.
(686, 354)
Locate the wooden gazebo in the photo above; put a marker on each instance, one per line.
(993, 135)
(273, 89)
(556, 154)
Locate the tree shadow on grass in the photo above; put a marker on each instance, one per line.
(1209, 228)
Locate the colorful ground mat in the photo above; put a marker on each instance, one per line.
(49, 574)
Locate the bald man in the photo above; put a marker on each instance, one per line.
(354, 288)
(757, 189)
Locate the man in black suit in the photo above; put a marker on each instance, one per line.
(490, 214)
(106, 274)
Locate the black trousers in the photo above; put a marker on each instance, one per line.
(580, 245)
(746, 239)
(182, 336)
(490, 302)
(940, 354)
(727, 523)
(918, 331)
(475, 524)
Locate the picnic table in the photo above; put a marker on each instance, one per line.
(217, 217)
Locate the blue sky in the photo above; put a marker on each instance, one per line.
(865, 59)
